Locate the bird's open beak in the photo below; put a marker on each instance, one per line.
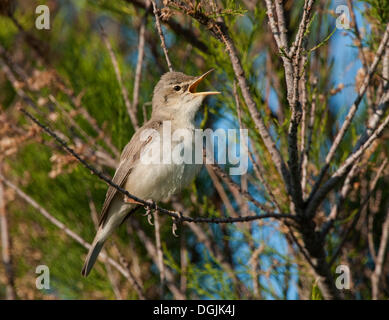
(193, 86)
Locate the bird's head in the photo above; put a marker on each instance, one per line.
(175, 95)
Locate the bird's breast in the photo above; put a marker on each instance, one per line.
(171, 171)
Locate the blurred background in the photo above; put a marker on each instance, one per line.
(74, 74)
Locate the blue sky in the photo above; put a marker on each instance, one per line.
(346, 66)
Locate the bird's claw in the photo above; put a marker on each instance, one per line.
(175, 222)
(148, 212)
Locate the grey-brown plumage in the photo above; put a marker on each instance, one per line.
(128, 158)
(175, 99)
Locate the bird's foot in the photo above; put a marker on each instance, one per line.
(148, 212)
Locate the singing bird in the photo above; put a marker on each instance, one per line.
(175, 103)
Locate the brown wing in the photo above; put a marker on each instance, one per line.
(128, 158)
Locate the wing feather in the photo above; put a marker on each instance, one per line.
(128, 158)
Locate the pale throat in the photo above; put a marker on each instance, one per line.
(185, 114)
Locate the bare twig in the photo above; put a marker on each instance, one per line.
(292, 74)
(308, 5)
(220, 190)
(76, 100)
(345, 191)
(281, 41)
(234, 186)
(273, 24)
(220, 31)
(104, 156)
(160, 32)
(147, 204)
(346, 188)
(357, 34)
(343, 169)
(184, 263)
(152, 251)
(178, 29)
(10, 292)
(293, 99)
(258, 169)
(347, 122)
(158, 246)
(307, 146)
(375, 277)
(253, 262)
(203, 237)
(72, 234)
(139, 63)
(282, 24)
(130, 108)
(356, 217)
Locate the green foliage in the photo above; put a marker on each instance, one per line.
(379, 9)
(316, 294)
(223, 268)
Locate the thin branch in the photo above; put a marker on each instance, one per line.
(215, 251)
(344, 193)
(347, 122)
(234, 186)
(281, 43)
(343, 169)
(357, 34)
(178, 29)
(373, 121)
(308, 5)
(376, 276)
(355, 220)
(273, 24)
(146, 204)
(130, 108)
(253, 262)
(163, 44)
(158, 246)
(139, 63)
(152, 251)
(370, 237)
(183, 262)
(346, 188)
(220, 31)
(73, 235)
(220, 190)
(282, 24)
(76, 100)
(298, 63)
(258, 169)
(307, 147)
(291, 61)
(10, 291)
(104, 156)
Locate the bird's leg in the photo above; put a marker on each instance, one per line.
(130, 200)
(153, 207)
(148, 211)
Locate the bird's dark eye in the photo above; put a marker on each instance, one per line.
(177, 88)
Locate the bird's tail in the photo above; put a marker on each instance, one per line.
(93, 253)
